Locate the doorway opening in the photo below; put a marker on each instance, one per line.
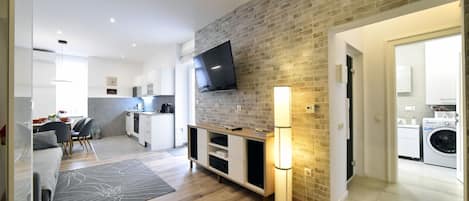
(384, 133)
(428, 70)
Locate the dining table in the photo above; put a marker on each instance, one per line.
(37, 126)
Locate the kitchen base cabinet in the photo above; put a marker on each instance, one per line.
(157, 130)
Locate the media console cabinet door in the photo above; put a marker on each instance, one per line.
(237, 158)
(202, 146)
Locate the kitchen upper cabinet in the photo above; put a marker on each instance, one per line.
(166, 81)
(442, 64)
(158, 82)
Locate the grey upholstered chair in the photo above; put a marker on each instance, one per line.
(80, 123)
(62, 132)
(85, 133)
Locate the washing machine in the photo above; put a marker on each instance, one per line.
(439, 142)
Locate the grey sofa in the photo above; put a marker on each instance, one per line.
(46, 162)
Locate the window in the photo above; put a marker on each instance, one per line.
(72, 85)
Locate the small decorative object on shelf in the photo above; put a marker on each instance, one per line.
(52, 117)
(232, 128)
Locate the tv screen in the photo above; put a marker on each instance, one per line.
(215, 70)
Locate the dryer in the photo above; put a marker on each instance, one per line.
(439, 142)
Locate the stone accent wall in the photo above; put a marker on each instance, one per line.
(283, 42)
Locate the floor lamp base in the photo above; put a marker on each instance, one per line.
(283, 184)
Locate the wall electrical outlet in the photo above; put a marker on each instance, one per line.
(310, 109)
(307, 172)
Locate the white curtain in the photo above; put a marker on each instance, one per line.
(72, 85)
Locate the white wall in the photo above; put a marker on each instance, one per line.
(165, 57)
(338, 108)
(413, 55)
(182, 91)
(44, 92)
(23, 74)
(100, 68)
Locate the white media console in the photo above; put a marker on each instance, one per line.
(242, 156)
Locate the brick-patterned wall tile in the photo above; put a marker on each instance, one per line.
(283, 42)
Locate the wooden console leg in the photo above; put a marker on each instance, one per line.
(220, 179)
(191, 164)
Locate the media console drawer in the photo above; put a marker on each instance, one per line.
(219, 164)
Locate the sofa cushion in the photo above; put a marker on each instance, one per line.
(44, 140)
(46, 162)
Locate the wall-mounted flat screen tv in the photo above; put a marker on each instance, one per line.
(215, 70)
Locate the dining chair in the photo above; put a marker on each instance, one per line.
(80, 123)
(62, 132)
(84, 134)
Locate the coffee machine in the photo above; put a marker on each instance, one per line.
(167, 108)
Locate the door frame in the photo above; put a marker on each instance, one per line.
(10, 122)
(391, 98)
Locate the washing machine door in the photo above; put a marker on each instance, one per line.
(443, 141)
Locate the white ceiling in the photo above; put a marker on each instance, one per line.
(151, 24)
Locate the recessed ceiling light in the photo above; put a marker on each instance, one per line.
(112, 20)
(59, 32)
(134, 44)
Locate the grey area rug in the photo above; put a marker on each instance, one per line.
(128, 180)
(116, 146)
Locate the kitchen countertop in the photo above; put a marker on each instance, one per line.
(149, 113)
(408, 126)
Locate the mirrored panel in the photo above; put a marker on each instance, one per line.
(23, 99)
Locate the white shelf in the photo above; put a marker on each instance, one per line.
(218, 146)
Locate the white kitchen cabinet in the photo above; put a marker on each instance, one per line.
(442, 63)
(158, 82)
(166, 81)
(404, 79)
(157, 130)
(237, 159)
(408, 141)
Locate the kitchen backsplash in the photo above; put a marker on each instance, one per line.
(153, 104)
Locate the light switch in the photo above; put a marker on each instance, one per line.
(341, 126)
(341, 73)
(310, 109)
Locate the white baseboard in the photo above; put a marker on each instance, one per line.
(344, 196)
